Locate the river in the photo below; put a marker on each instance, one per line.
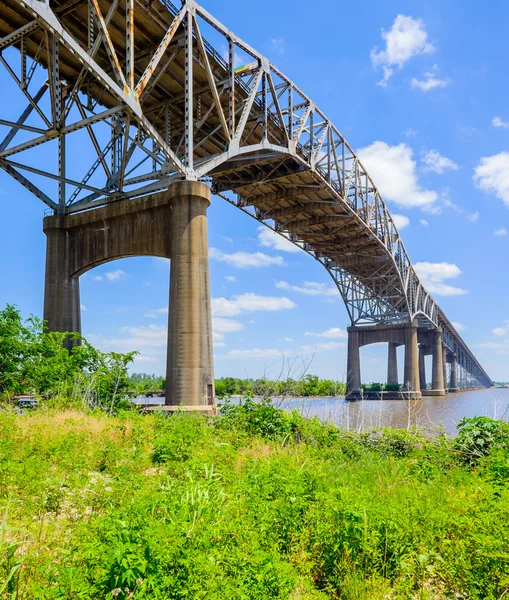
(428, 412)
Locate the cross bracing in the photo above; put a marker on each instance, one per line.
(160, 92)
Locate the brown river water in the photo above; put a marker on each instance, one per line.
(428, 412)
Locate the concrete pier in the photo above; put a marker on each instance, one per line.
(171, 224)
(190, 374)
(411, 385)
(395, 335)
(62, 309)
(453, 382)
(437, 376)
(392, 364)
(353, 367)
(422, 366)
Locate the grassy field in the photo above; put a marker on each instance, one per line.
(257, 504)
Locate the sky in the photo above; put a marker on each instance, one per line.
(420, 91)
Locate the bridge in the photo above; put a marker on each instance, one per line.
(171, 105)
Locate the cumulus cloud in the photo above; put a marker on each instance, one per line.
(309, 288)
(434, 275)
(83, 308)
(500, 331)
(492, 175)
(400, 221)
(458, 326)
(394, 172)
(231, 278)
(474, 217)
(222, 325)
(437, 163)
(111, 275)
(246, 303)
(333, 333)
(277, 353)
(498, 122)
(406, 38)
(423, 222)
(500, 232)
(156, 312)
(150, 341)
(430, 82)
(246, 260)
(255, 353)
(271, 239)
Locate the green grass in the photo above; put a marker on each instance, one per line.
(253, 505)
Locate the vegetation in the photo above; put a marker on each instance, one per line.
(257, 504)
(141, 383)
(306, 386)
(98, 501)
(33, 361)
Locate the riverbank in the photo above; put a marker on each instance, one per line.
(257, 504)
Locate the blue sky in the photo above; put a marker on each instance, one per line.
(420, 90)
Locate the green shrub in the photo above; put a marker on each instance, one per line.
(479, 436)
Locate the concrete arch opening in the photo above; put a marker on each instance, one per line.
(171, 225)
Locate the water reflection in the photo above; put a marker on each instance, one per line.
(428, 412)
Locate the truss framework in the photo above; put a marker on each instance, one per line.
(177, 108)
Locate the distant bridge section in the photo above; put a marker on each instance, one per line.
(156, 93)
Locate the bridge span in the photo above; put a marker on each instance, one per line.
(173, 105)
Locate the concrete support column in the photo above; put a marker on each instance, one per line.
(437, 377)
(411, 379)
(422, 367)
(62, 310)
(453, 383)
(190, 372)
(444, 364)
(392, 364)
(353, 368)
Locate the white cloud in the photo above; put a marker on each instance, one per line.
(275, 353)
(156, 312)
(271, 239)
(246, 303)
(83, 308)
(150, 341)
(222, 325)
(500, 331)
(288, 339)
(231, 278)
(322, 347)
(433, 275)
(278, 46)
(400, 221)
(437, 163)
(423, 222)
(498, 122)
(310, 288)
(333, 333)
(500, 232)
(431, 82)
(492, 175)
(245, 260)
(474, 217)
(111, 275)
(458, 326)
(394, 172)
(407, 38)
(255, 353)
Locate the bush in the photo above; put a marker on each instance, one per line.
(479, 436)
(36, 361)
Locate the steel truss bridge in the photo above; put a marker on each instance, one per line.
(125, 96)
